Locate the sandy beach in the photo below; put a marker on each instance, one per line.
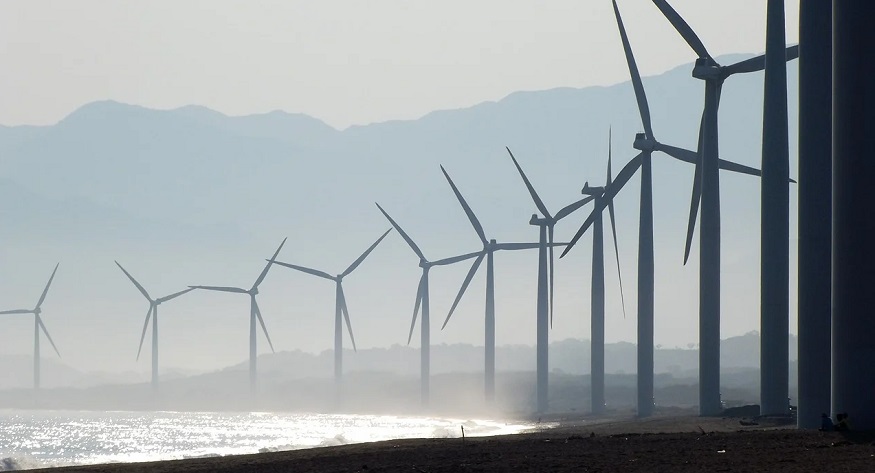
(667, 443)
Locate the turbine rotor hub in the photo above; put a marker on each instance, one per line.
(707, 69)
(643, 143)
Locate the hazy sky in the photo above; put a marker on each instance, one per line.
(345, 62)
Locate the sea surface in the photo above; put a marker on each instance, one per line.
(37, 439)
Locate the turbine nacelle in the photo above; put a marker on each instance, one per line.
(538, 221)
(643, 143)
(592, 190)
(708, 69)
(253, 292)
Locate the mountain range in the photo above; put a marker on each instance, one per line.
(192, 196)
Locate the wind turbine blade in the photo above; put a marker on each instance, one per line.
(465, 283)
(610, 192)
(222, 289)
(355, 264)
(314, 272)
(614, 224)
(683, 28)
(267, 266)
(45, 331)
(145, 326)
(42, 297)
(680, 154)
(694, 211)
(139, 286)
(416, 306)
(456, 259)
(739, 168)
(538, 202)
(569, 209)
(175, 295)
(517, 246)
(697, 193)
(346, 317)
(640, 96)
(16, 311)
(617, 254)
(470, 213)
(550, 262)
(404, 235)
(261, 321)
(758, 63)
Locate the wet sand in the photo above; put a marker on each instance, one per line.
(671, 444)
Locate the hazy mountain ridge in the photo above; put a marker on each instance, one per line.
(569, 356)
(191, 196)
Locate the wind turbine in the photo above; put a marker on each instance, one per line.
(254, 313)
(422, 300)
(153, 313)
(37, 326)
(340, 308)
(706, 188)
(597, 300)
(488, 251)
(646, 143)
(546, 223)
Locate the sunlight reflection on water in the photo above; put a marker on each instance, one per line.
(30, 439)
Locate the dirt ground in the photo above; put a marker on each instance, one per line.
(670, 444)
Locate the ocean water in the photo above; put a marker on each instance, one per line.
(38, 439)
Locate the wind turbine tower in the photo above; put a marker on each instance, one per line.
(254, 314)
(489, 249)
(422, 300)
(38, 326)
(597, 300)
(545, 225)
(153, 314)
(341, 312)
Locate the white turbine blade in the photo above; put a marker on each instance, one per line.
(569, 209)
(267, 266)
(42, 297)
(758, 63)
(17, 311)
(304, 269)
(637, 85)
(345, 311)
(468, 278)
(145, 326)
(355, 264)
(404, 235)
(538, 202)
(517, 246)
(139, 286)
(683, 28)
(175, 295)
(416, 306)
(456, 259)
(467, 208)
(222, 289)
(45, 331)
(261, 321)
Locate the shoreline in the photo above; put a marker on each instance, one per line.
(661, 443)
